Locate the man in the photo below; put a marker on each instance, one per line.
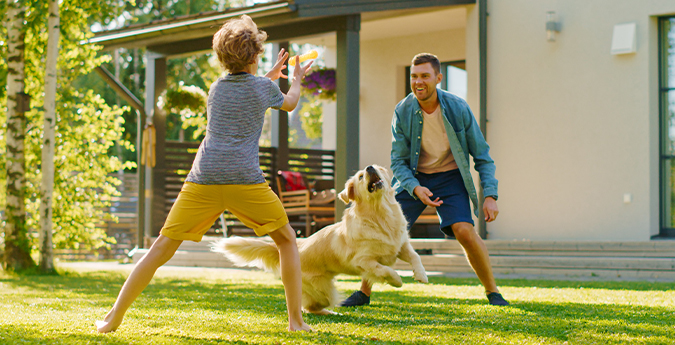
(434, 132)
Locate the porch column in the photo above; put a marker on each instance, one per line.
(140, 178)
(482, 39)
(155, 84)
(347, 122)
(280, 119)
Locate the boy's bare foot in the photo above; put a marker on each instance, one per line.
(301, 328)
(108, 324)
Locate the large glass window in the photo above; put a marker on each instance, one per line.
(454, 78)
(667, 99)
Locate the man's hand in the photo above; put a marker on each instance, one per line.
(490, 209)
(424, 194)
(275, 72)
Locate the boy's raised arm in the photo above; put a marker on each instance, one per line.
(293, 96)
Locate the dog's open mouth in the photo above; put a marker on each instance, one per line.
(374, 183)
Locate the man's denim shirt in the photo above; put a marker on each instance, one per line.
(464, 136)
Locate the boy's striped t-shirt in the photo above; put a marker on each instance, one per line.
(236, 110)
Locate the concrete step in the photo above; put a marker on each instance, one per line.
(555, 248)
(612, 260)
(558, 262)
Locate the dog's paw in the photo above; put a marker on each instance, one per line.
(421, 277)
(395, 281)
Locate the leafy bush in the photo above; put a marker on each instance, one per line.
(86, 128)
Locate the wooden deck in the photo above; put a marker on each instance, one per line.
(651, 260)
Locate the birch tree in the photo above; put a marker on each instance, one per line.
(47, 186)
(17, 242)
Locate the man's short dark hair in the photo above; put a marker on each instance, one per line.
(423, 58)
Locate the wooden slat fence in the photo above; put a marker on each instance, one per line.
(317, 165)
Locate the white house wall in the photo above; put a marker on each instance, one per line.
(573, 128)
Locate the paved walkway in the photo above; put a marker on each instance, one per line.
(116, 266)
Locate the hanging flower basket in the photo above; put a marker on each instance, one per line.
(320, 83)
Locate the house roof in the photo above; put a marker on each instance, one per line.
(282, 20)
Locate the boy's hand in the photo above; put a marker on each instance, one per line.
(275, 72)
(300, 71)
(291, 98)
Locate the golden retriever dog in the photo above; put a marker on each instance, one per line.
(366, 243)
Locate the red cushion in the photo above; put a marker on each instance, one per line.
(294, 180)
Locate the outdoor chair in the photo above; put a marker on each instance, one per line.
(315, 208)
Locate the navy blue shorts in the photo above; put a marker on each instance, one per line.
(448, 186)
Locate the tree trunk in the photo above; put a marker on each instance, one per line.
(118, 147)
(47, 186)
(17, 243)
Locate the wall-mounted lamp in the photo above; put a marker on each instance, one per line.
(624, 39)
(552, 26)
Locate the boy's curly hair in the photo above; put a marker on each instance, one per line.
(238, 43)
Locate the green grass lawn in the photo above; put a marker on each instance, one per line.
(248, 307)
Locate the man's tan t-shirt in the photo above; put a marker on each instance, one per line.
(435, 155)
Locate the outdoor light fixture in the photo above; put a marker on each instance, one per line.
(624, 39)
(552, 26)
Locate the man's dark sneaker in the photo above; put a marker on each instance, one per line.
(356, 299)
(496, 299)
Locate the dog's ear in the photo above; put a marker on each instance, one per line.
(348, 193)
(343, 196)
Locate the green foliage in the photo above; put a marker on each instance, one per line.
(130, 76)
(311, 117)
(3, 117)
(190, 103)
(86, 128)
(215, 306)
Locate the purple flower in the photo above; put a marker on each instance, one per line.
(321, 83)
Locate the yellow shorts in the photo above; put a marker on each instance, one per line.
(198, 206)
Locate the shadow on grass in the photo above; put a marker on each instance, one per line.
(103, 287)
(18, 334)
(13, 334)
(541, 319)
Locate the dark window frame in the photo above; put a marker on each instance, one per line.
(664, 126)
(444, 66)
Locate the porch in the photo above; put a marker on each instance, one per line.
(337, 24)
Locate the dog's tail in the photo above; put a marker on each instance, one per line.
(249, 252)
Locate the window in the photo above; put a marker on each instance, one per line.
(667, 118)
(454, 78)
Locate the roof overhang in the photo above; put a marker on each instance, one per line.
(152, 33)
(282, 20)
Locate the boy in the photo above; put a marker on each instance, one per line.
(226, 172)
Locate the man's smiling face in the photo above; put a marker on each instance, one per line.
(423, 81)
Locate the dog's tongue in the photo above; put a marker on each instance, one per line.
(375, 183)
